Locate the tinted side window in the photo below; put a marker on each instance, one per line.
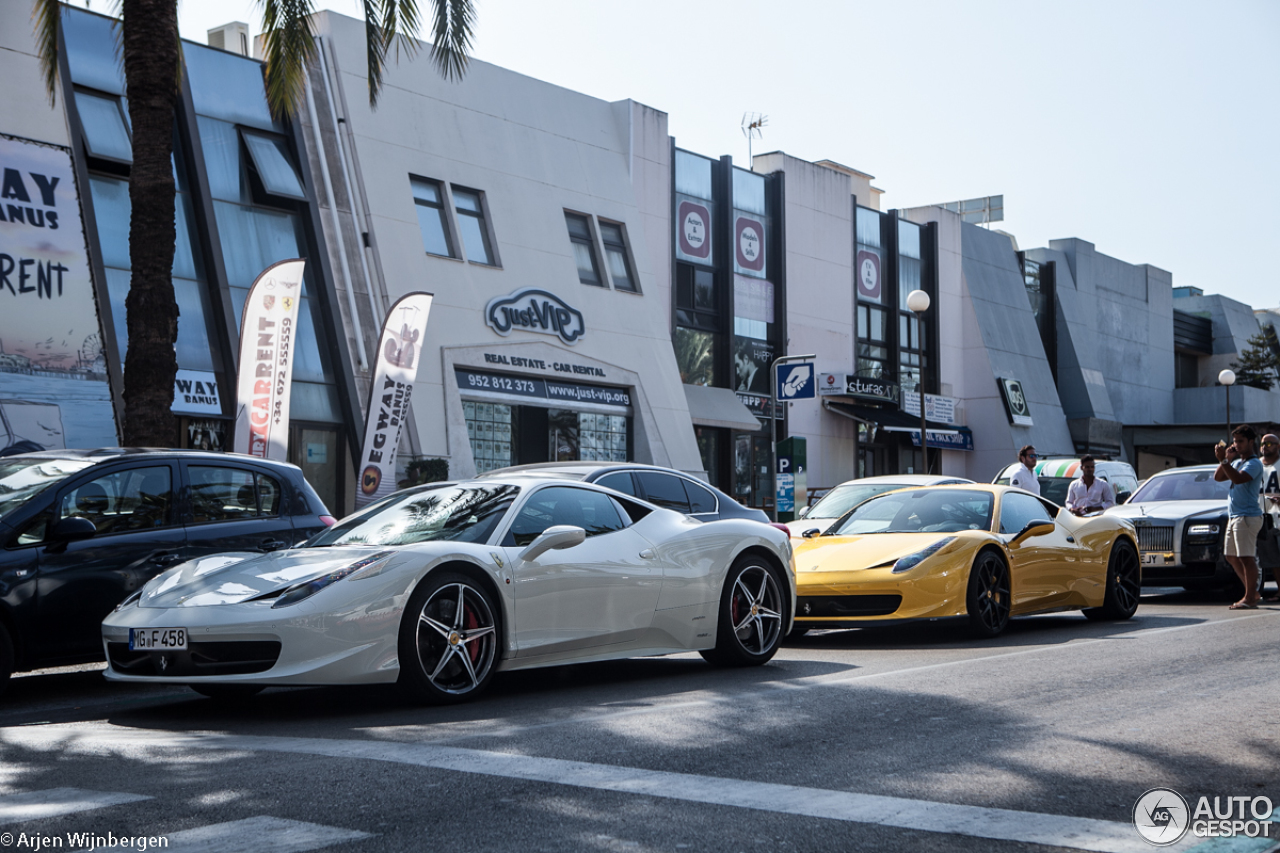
(594, 512)
(226, 494)
(664, 490)
(133, 499)
(268, 495)
(700, 499)
(619, 481)
(1017, 511)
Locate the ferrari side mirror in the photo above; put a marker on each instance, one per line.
(554, 538)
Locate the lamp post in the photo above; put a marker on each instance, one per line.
(918, 303)
(773, 423)
(1227, 378)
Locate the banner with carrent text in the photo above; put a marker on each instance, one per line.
(393, 378)
(265, 373)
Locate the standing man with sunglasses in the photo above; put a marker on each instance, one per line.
(1025, 477)
(1239, 464)
(1269, 539)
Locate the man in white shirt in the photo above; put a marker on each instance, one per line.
(1089, 494)
(1025, 477)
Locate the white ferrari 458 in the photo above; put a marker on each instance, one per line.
(441, 586)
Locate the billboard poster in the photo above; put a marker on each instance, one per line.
(397, 369)
(868, 272)
(748, 244)
(693, 230)
(264, 376)
(53, 369)
(751, 360)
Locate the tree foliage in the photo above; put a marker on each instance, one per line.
(1259, 363)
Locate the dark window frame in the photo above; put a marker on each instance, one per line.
(588, 240)
(622, 247)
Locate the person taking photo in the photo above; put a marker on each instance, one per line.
(1239, 464)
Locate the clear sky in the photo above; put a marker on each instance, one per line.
(1151, 129)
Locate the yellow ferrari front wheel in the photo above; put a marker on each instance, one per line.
(988, 600)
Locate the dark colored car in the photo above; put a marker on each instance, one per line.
(664, 487)
(82, 529)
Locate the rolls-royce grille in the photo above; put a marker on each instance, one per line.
(848, 605)
(1155, 538)
(230, 658)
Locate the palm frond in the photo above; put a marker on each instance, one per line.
(376, 44)
(289, 48)
(47, 15)
(454, 23)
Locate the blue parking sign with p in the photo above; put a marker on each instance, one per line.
(795, 382)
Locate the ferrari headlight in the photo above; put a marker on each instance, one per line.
(910, 561)
(1203, 531)
(306, 589)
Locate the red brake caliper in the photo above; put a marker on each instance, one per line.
(471, 621)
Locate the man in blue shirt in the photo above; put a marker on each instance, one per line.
(1239, 464)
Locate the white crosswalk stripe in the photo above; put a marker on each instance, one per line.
(248, 836)
(16, 808)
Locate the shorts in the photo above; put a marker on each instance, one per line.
(1242, 536)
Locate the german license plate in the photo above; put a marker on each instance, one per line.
(157, 639)
(1155, 558)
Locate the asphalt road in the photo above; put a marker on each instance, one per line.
(915, 738)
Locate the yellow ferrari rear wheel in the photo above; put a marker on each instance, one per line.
(1124, 584)
(988, 600)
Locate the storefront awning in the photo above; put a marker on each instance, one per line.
(948, 436)
(719, 407)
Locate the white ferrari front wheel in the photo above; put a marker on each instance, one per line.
(752, 613)
(448, 640)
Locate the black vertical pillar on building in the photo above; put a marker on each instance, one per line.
(722, 248)
(776, 269)
(209, 244)
(932, 375)
(671, 236)
(110, 346)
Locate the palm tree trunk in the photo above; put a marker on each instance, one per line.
(150, 37)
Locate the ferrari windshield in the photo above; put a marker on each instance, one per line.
(841, 499)
(21, 478)
(928, 510)
(1182, 486)
(458, 513)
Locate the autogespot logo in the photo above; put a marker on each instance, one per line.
(1161, 816)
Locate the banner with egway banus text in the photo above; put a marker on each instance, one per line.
(393, 378)
(265, 373)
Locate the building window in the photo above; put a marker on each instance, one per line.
(697, 336)
(911, 337)
(428, 198)
(615, 252)
(1186, 370)
(584, 250)
(911, 330)
(106, 133)
(873, 346)
(471, 224)
(270, 157)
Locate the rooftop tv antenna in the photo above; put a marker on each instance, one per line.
(751, 125)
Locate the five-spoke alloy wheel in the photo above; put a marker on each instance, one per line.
(988, 600)
(753, 611)
(1124, 584)
(448, 639)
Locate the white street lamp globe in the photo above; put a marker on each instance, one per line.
(918, 301)
(1226, 377)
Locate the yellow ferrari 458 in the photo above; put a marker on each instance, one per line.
(978, 553)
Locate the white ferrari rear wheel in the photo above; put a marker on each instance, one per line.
(752, 612)
(448, 640)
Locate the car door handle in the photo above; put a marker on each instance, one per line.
(165, 559)
(272, 544)
(646, 554)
